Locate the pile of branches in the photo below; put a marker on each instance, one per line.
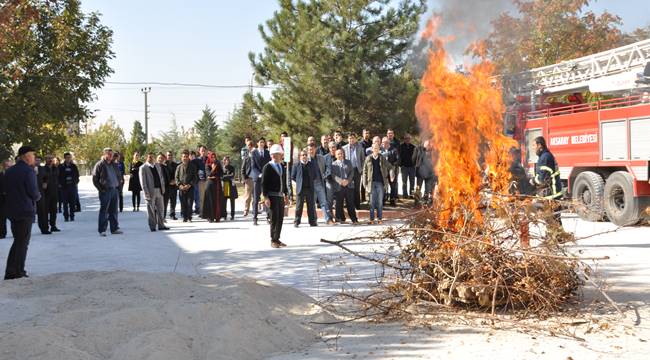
(512, 261)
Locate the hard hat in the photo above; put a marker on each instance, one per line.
(276, 149)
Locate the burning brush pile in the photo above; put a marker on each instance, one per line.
(479, 246)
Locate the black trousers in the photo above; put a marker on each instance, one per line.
(69, 201)
(345, 194)
(135, 199)
(3, 221)
(277, 216)
(306, 195)
(187, 199)
(357, 189)
(171, 193)
(46, 208)
(22, 231)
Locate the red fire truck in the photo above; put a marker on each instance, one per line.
(602, 147)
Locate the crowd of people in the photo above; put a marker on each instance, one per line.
(335, 175)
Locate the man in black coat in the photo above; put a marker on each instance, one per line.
(259, 158)
(48, 184)
(3, 200)
(22, 193)
(301, 174)
(171, 191)
(68, 179)
(274, 189)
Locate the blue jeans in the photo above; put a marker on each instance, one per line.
(408, 176)
(108, 210)
(321, 195)
(376, 200)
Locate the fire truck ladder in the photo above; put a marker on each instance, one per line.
(577, 74)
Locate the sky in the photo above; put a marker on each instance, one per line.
(206, 42)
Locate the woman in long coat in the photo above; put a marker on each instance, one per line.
(229, 188)
(134, 181)
(212, 206)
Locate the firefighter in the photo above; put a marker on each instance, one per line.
(547, 176)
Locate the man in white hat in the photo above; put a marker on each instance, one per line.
(274, 190)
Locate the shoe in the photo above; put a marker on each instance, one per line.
(102, 234)
(371, 222)
(356, 222)
(174, 217)
(153, 230)
(55, 229)
(72, 219)
(379, 222)
(330, 222)
(163, 228)
(232, 217)
(275, 244)
(117, 232)
(46, 232)
(254, 221)
(184, 220)
(282, 244)
(66, 219)
(189, 220)
(245, 213)
(312, 225)
(296, 225)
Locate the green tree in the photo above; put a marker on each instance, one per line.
(546, 32)
(207, 129)
(339, 63)
(87, 147)
(136, 142)
(244, 121)
(52, 57)
(175, 140)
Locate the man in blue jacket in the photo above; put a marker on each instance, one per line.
(22, 194)
(547, 175)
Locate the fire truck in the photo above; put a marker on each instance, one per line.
(601, 145)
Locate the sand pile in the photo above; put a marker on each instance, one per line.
(127, 315)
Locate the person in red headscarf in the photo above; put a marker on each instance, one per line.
(212, 206)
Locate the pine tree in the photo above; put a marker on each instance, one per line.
(136, 142)
(206, 128)
(339, 63)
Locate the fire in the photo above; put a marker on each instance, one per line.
(463, 113)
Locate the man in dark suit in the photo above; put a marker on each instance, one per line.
(343, 174)
(69, 180)
(22, 194)
(274, 189)
(304, 179)
(48, 184)
(259, 158)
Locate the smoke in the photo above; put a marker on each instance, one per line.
(466, 21)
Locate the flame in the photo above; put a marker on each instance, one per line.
(463, 113)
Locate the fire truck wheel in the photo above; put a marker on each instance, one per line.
(588, 191)
(621, 206)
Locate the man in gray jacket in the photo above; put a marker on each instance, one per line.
(152, 180)
(355, 152)
(106, 178)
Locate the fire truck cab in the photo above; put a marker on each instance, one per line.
(602, 147)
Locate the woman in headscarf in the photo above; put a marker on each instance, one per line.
(229, 188)
(212, 206)
(134, 181)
